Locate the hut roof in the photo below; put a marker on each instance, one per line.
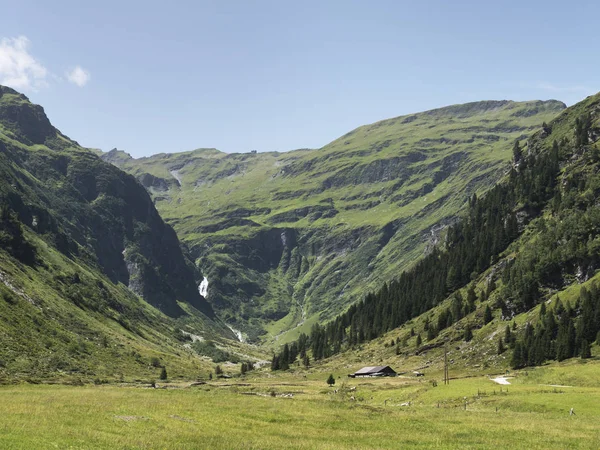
(373, 369)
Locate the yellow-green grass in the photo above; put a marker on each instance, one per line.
(245, 414)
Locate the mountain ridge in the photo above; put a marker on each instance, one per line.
(282, 225)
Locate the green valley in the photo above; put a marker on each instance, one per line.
(287, 240)
(465, 253)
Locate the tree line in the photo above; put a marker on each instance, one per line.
(560, 333)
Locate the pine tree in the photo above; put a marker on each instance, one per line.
(306, 361)
(564, 343)
(431, 333)
(419, 340)
(518, 358)
(487, 315)
(491, 287)
(517, 152)
(285, 357)
(586, 352)
(471, 298)
(452, 279)
(275, 363)
(468, 334)
(501, 348)
(331, 380)
(163, 374)
(507, 336)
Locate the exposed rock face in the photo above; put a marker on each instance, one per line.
(149, 181)
(91, 209)
(26, 120)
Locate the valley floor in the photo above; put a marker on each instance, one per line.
(298, 411)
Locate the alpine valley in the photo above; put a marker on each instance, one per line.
(287, 240)
(460, 244)
(442, 226)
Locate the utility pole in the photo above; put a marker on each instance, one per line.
(446, 377)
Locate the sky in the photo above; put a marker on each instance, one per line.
(154, 76)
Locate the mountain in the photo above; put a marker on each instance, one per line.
(515, 281)
(92, 280)
(286, 240)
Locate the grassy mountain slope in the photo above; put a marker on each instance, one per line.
(92, 281)
(536, 300)
(286, 239)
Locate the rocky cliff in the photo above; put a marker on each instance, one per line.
(80, 238)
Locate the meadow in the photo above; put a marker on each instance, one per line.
(302, 411)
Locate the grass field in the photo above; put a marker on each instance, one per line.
(259, 412)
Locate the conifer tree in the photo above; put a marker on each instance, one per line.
(517, 152)
(284, 363)
(306, 361)
(501, 348)
(468, 334)
(518, 358)
(431, 333)
(331, 380)
(487, 315)
(275, 363)
(586, 352)
(507, 335)
(471, 298)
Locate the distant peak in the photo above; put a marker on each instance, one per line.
(485, 106)
(116, 156)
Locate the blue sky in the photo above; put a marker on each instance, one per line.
(151, 77)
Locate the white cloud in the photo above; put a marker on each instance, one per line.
(18, 69)
(78, 76)
(554, 88)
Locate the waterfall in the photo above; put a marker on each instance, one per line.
(203, 288)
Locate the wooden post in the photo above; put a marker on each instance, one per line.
(446, 378)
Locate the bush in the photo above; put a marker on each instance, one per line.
(155, 362)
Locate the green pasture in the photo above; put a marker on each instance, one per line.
(301, 411)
